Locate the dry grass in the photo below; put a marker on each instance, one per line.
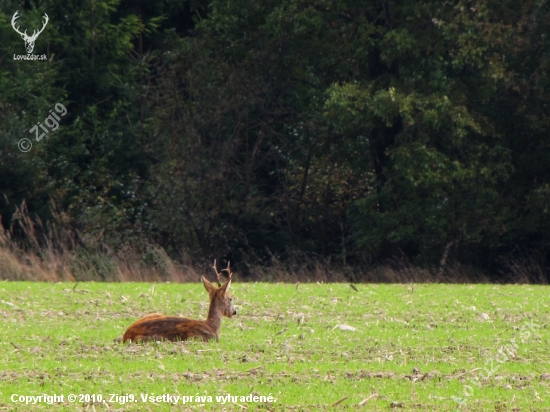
(54, 264)
(129, 265)
(125, 266)
(59, 253)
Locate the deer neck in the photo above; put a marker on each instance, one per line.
(215, 314)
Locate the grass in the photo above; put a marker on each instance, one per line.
(413, 347)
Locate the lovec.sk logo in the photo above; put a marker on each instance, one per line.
(29, 40)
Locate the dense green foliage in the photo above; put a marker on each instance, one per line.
(254, 130)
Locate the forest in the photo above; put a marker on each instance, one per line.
(299, 136)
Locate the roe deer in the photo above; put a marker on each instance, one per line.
(158, 327)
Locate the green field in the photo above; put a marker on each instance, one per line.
(414, 347)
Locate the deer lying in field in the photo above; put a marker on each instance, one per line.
(158, 327)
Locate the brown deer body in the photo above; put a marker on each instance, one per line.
(159, 327)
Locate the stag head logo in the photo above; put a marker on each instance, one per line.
(29, 40)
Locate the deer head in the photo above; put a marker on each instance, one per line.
(221, 294)
(29, 40)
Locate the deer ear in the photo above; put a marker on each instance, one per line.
(210, 288)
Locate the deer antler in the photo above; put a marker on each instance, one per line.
(228, 270)
(15, 17)
(47, 19)
(217, 273)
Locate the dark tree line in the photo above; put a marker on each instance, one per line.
(344, 130)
